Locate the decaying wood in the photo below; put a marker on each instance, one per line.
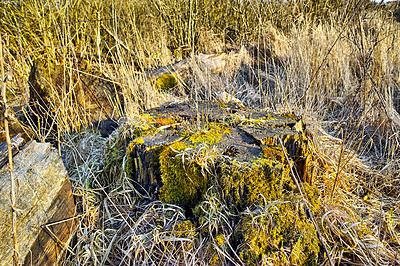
(247, 141)
(45, 207)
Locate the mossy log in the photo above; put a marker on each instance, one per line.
(197, 151)
(45, 207)
(215, 63)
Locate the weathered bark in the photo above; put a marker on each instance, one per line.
(143, 165)
(45, 207)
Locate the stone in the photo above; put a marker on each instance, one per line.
(106, 126)
(16, 142)
(45, 207)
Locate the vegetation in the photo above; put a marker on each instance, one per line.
(334, 62)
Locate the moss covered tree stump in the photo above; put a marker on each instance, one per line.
(194, 153)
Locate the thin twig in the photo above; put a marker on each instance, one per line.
(10, 162)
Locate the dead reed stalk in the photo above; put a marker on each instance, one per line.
(10, 161)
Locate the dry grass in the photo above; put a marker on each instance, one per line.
(334, 62)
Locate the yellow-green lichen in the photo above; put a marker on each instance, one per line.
(241, 119)
(183, 182)
(184, 229)
(184, 233)
(290, 116)
(211, 135)
(220, 243)
(312, 194)
(141, 125)
(274, 153)
(166, 81)
(259, 121)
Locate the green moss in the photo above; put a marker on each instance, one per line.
(312, 195)
(145, 122)
(277, 221)
(274, 153)
(166, 81)
(142, 125)
(277, 227)
(183, 182)
(290, 116)
(136, 141)
(243, 183)
(211, 135)
(241, 119)
(184, 229)
(179, 231)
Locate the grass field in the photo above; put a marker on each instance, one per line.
(336, 63)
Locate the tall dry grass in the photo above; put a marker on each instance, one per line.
(334, 62)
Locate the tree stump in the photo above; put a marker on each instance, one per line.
(197, 153)
(247, 134)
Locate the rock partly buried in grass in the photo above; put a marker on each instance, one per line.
(45, 207)
(203, 151)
